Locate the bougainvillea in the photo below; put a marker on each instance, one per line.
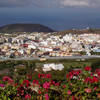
(79, 84)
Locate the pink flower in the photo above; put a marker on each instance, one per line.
(1, 85)
(57, 84)
(95, 88)
(27, 96)
(69, 92)
(71, 75)
(46, 85)
(46, 97)
(71, 84)
(88, 90)
(53, 82)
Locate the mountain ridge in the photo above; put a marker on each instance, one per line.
(19, 27)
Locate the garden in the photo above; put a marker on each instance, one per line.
(75, 84)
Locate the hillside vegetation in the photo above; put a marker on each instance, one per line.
(25, 28)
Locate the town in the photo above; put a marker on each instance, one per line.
(35, 44)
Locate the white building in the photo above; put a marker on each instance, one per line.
(52, 66)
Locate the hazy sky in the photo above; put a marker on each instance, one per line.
(57, 14)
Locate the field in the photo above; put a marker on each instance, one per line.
(80, 63)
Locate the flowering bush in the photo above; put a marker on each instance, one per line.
(80, 84)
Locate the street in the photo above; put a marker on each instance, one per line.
(55, 58)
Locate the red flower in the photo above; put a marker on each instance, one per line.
(39, 92)
(8, 79)
(35, 82)
(20, 90)
(21, 85)
(91, 74)
(74, 98)
(76, 72)
(97, 71)
(44, 75)
(88, 80)
(41, 75)
(48, 75)
(64, 86)
(95, 79)
(15, 84)
(91, 80)
(67, 76)
(71, 75)
(26, 82)
(29, 77)
(87, 68)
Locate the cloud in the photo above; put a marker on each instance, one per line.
(74, 3)
(80, 3)
(50, 3)
(13, 3)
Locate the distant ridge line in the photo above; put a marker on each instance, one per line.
(19, 27)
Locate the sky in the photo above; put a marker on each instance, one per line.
(56, 14)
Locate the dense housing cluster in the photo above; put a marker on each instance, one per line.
(48, 44)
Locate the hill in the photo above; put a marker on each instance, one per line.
(97, 31)
(25, 28)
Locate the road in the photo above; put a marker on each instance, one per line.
(51, 58)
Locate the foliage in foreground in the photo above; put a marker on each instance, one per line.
(80, 84)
